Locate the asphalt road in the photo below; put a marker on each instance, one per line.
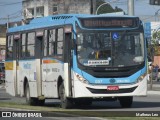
(151, 103)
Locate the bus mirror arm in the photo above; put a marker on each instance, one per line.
(146, 43)
(73, 44)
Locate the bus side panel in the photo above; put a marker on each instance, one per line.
(51, 70)
(44, 76)
(18, 81)
(27, 69)
(23, 74)
(9, 78)
(14, 85)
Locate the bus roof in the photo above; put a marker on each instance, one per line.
(56, 20)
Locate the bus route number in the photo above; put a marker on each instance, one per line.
(98, 81)
(55, 70)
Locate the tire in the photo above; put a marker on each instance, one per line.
(65, 102)
(126, 102)
(30, 100)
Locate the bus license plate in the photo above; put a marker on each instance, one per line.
(110, 88)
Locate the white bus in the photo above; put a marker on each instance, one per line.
(77, 59)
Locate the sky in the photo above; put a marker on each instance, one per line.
(13, 8)
(141, 7)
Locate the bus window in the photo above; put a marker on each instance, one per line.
(23, 45)
(46, 43)
(30, 44)
(10, 47)
(52, 39)
(60, 42)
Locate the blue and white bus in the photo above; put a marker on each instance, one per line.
(77, 59)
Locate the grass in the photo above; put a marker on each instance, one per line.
(28, 107)
(77, 112)
(133, 118)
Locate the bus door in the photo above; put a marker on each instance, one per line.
(16, 54)
(38, 55)
(68, 62)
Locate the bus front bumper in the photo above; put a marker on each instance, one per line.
(81, 90)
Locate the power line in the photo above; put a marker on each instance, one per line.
(18, 13)
(14, 17)
(5, 4)
(148, 18)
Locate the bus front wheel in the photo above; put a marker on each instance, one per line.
(65, 102)
(126, 102)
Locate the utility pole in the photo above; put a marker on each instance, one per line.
(93, 6)
(35, 9)
(66, 6)
(7, 21)
(130, 7)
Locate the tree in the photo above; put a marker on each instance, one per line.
(155, 42)
(107, 8)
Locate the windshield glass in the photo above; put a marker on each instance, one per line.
(112, 49)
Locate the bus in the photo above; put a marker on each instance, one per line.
(77, 59)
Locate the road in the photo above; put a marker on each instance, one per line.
(146, 104)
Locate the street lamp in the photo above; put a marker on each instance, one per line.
(156, 14)
(101, 6)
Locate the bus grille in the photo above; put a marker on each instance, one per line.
(105, 91)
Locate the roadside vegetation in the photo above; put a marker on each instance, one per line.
(74, 112)
(133, 118)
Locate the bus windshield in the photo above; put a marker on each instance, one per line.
(110, 49)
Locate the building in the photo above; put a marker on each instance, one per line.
(40, 8)
(154, 2)
(2, 42)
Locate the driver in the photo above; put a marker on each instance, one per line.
(87, 50)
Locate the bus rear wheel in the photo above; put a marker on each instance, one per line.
(126, 102)
(29, 100)
(65, 102)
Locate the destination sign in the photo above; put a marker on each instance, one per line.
(109, 22)
(97, 62)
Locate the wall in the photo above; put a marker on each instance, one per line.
(64, 6)
(2, 42)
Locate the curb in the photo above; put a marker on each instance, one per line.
(153, 92)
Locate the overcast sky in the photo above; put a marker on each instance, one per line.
(141, 7)
(13, 8)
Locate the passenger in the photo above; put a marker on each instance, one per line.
(156, 70)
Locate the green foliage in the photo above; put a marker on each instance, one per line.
(99, 2)
(155, 38)
(107, 8)
(156, 35)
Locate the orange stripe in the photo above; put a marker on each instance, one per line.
(49, 61)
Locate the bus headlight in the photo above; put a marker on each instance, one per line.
(82, 79)
(141, 77)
